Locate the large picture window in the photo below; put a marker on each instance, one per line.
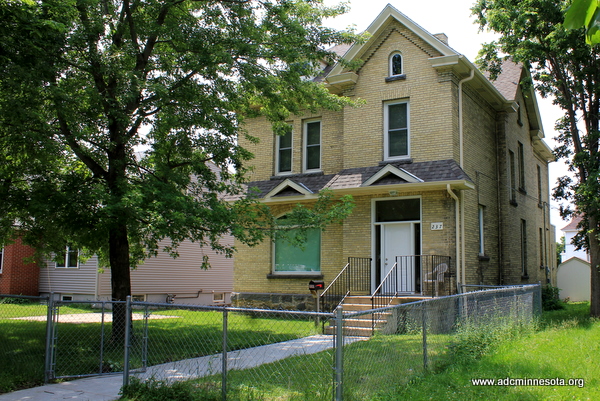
(396, 135)
(312, 145)
(290, 258)
(68, 258)
(284, 153)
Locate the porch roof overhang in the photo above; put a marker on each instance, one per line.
(397, 189)
(393, 178)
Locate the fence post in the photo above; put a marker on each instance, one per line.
(424, 319)
(224, 356)
(146, 338)
(127, 340)
(102, 338)
(48, 371)
(339, 345)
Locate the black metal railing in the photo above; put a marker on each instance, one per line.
(354, 278)
(427, 275)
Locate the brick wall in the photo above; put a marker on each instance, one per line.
(354, 138)
(20, 275)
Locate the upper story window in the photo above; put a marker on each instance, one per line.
(396, 140)
(68, 259)
(284, 152)
(521, 155)
(481, 230)
(512, 176)
(396, 64)
(312, 145)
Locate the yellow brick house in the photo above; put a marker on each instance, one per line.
(448, 170)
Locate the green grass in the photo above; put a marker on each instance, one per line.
(563, 344)
(185, 334)
(566, 345)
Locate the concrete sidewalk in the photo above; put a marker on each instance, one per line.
(106, 388)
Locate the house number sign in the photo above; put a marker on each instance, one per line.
(437, 226)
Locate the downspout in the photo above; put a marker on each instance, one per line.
(457, 228)
(461, 151)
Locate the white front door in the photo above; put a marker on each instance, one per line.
(398, 246)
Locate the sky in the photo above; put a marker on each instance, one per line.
(454, 19)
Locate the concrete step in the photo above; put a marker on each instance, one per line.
(362, 325)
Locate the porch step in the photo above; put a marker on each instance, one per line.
(362, 325)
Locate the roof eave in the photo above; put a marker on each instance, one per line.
(377, 189)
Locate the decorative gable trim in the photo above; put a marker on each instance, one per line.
(289, 184)
(389, 169)
(391, 12)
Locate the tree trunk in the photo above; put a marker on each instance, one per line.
(594, 266)
(120, 277)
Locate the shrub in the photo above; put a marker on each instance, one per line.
(550, 300)
(156, 390)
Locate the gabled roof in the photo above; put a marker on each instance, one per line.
(289, 188)
(572, 226)
(446, 57)
(390, 12)
(381, 178)
(391, 170)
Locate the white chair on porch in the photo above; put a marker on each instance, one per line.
(436, 276)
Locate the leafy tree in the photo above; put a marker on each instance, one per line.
(585, 14)
(567, 70)
(112, 113)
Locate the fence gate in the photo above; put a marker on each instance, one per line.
(81, 342)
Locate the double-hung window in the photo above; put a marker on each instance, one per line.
(290, 258)
(68, 258)
(312, 145)
(284, 152)
(396, 130)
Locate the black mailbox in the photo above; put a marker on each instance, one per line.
(316, 285)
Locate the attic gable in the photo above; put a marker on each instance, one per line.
(381, 28)
(391, 171)
(289, 188)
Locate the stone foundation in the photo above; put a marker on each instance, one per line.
(300, 302)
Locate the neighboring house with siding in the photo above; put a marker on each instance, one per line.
(448, 170)
(156, 280)
(573, 277)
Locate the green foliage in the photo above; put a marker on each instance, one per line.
(550, 298)
(473, 341)
(17, 301)
(155, 390)
(119, 121)
(585, 14)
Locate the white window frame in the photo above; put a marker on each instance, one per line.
(386, 145)
(1, 258)
(278, 150)
(305, 145)
(391, 64)
(67, 260)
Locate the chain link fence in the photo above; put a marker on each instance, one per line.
(237, 353)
